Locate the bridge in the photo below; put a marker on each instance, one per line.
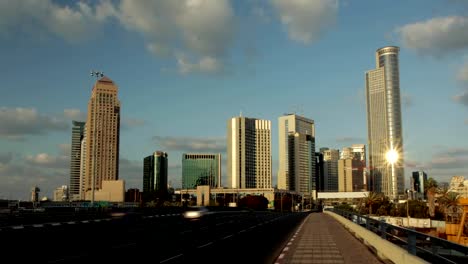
(163, 236)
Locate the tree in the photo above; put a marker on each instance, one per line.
(449, 204)
(371, 199)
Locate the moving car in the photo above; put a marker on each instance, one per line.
(196, 212)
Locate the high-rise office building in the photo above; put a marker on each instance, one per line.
(384, 124)
(352, 169)
(296, 170)
(418, 181)
(83, 165)
(75, 159)
(330, 169)
(155, 174)
(249, 153)
(319, 172)
(201, 169)
(102, 135)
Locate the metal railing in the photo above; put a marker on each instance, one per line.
(429, 248)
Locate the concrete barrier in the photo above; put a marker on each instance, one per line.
(384, 249)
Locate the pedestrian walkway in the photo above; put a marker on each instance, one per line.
(321, 239)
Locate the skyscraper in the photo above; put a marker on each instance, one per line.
(384, 124)
(102, 135)
(75, 159)
(418, 182)
(249, 153)
(330, 169)
(296, 170)
(155, 174)
(201, 169)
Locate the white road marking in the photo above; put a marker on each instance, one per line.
(171, 258)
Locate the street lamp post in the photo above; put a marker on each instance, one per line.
(96, 74)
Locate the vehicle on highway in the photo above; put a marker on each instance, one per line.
(196, 212)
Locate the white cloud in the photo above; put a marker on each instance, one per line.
(48, 161)
(436, 36)
(203, 28)
(74, 114)
(306, 20)
(204, 65)
(191, 144)
(18, 122)
(69, 22)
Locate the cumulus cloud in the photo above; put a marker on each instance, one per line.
(454, 158)
(188, 144)
(74, 114)
(204, 29)
(306, 21)
(436, 36)
(206, 64)
(201, 27)
(19, 122)
(48, 161)
(71, 22)
(19, 173)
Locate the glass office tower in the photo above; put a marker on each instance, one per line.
(384, 124)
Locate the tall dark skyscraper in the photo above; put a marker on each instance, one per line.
(75, 159)
(155, 173)
(384, 124)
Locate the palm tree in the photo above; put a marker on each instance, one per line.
(371, 199)
(450, 201)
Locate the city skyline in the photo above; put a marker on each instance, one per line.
(183, 70)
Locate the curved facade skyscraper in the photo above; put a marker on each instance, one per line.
(384, 124)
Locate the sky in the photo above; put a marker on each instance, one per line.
(184, 68)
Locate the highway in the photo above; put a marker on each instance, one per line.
(222, 237)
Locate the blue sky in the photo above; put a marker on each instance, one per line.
(184, 68)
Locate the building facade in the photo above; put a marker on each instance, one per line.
(155, 174)
(201, 169)
(102, 135)
(249, 153)
(384, 124)
(75, 159)
(352, 169)
(330, 169)
(418, 181)
(296, 170)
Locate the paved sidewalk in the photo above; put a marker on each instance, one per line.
(321, 239)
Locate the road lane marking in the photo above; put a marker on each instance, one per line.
(171, 258)
(205, 245)
(38, 225)
(226, 237)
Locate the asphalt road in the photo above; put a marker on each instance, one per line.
(224, 237)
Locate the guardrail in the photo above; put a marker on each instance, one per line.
(429, 248)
